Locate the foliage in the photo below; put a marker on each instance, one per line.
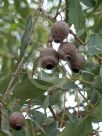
(41, 95)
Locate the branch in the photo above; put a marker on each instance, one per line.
(53, 113)
(77, 38)
(67, 10)
(85, 99)
(99, 58)
(47, 15)
(36, 17)
(7, 92)
(1, 106)
(59, 4)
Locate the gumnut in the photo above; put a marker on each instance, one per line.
(59, 31)
(16, 120)
(67, 51)
(77, 64)
(49, 58)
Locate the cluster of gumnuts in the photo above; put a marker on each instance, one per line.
(16, 120)
(49, 57)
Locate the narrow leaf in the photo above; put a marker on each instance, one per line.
(26, 35)
(76, 14)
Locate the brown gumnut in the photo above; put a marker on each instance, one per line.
(77, 64)
(49, 58)
(67, 51)
(16, 120)
(59, 31)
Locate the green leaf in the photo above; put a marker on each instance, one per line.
(97, 20)
(19, 133)
(51, 78)
(5, 121)
(97, 83)
(80, 128)
(94, 97)
(4, 84)
(39, 117)
(42, 134)
(70, 85)
(101, 72)
(55, 98)
(92, 3)
(98, 3)
(52, 129)
(94, 45)
(5, 66)
(76, 14)
(5, 133)
(22, 10)
(30, 89)
(45, 103)
(26, 35)
(65, 83)
(72, 118)
(29, 128)
(97, 113)
(88, 3)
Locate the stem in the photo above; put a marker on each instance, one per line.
(59, 4)
(84, 81)
(67, 10)
(53, 113)
(46, 14)
(77, 38)
(70, 76)
(62, 120)
(85, 99)
(36, 17)
(1, 106)
(99, 58)
(31, 121)
(7, 92)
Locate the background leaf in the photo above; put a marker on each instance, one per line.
(94, 45)
(76, 15)
(28, 89)
(81, 128)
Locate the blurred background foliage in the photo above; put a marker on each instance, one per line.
(19, 33)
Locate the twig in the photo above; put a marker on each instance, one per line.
(84, 81)
(7, 92)
(67, 10)
(34, 21)
(70, 76)
(47, 15)
(59, 4)
(62, 121)
(27, 109)
(31, 121)
(77, 38)
(53, 113)
(85, 99)
(1, 106)
(99, 58)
